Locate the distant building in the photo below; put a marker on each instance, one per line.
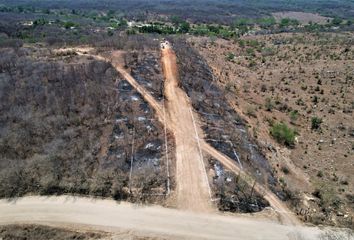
(27, 23)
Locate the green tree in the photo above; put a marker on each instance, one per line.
(286, 22)
(69, 24)
(123, 23)
(184, 27)
(336, 21)
(111, 13)
(110, 33)
(176, 20)
(39, 22)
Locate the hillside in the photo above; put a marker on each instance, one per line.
(305, 82)
(187, 111)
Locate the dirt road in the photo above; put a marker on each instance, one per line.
(193, 191)
(162, 223)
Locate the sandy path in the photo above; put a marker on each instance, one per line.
(110, 216)
(193, 191)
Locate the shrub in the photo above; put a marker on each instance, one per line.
(328, 196)
(316, 123)
(263, 88)
(269, 104)
(251, 112)
(294, 115)
(285, 170)
(68, 25)
(250, 52)
(283, 134)
(230, 56)
(315, 99)
(336, 21)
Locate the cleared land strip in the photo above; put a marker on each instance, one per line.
(193, 190)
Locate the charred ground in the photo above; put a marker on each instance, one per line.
(71, 124)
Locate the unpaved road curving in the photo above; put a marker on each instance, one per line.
(162, 223)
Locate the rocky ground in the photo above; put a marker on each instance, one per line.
(306, 82)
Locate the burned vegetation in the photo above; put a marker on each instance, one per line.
(235, 194)
(71, 124)
(38, 232)
(226, 131)
(146, 69)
